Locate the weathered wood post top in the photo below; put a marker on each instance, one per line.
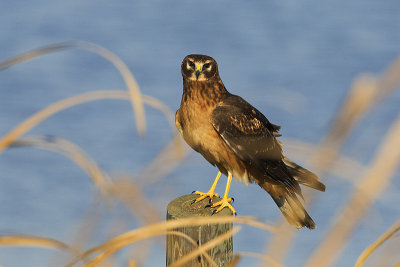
(178, 246)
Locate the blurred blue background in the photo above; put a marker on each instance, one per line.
(293, 60)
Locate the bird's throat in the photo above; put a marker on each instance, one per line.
(205, 92)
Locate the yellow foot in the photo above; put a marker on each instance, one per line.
(224, 202)
(209, 194)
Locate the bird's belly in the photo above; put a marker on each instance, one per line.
(199, 133)
(211, 146)
(201, 138)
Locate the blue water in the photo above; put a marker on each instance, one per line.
(293, 60)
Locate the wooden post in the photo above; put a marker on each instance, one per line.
(177, 246)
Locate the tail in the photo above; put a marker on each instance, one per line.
(286, 198)
(303, 176)
(289, 205)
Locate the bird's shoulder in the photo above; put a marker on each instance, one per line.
(246, 130)
(239, 115)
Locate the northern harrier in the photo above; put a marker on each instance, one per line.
(234, 136)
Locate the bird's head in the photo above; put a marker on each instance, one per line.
(199, 68)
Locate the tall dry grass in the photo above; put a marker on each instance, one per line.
(366, 93)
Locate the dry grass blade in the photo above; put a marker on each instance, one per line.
(58, 106)
(278, 245)
(169, 225)
(104, 255)
(41, 242)
(390, 79)
(158, 104)
(161, 228)
(168, 159)
(375, 180)
(209, 245)
(132, 263)
(265, 259)
(363, 95)
(194, 243)
(62, 146)
(344, 167)
(369, 250)
(132, 196)
(134, 91)
(50, 110)
(388, 255)
(235, 261)
(86, 230)
(365, 92)
(100, 178)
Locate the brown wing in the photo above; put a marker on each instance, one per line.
(252, 138)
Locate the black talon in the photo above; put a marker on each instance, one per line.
(193, 201)
(214, 211)
(233, 200)
(208, 205)
(235, 213)
(193, 191)
(209, 201)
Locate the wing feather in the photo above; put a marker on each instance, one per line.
(252, 138)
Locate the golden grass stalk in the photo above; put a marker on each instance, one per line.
(85, 231)
(67, 148)
(374, 182)
(344, 167)
(158, 104)
(200, 250)
(38, 242)
(131, 84)
(389, 254)
(58, 106)
(369, 250)
(264, 258)
(167, 160)
(52, 109)
(235, 261)
(206, 246)
(59, 145)
(194, 243)
(132, 196)
(161, 228)
(132, 263)
(365, 92)
(278, 244)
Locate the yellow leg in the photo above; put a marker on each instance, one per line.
(210, 192)
(225, 201)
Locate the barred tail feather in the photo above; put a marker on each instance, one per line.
(290, 206)
(294, 211)
(303, 176)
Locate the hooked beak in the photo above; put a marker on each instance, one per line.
(198, 70)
